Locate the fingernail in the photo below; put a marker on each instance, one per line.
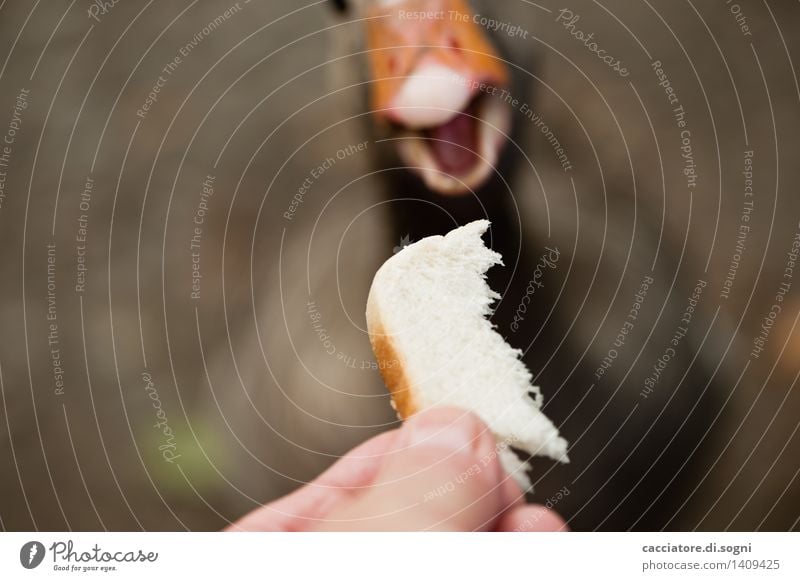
(459, 434)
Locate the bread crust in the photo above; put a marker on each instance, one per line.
(391, 367)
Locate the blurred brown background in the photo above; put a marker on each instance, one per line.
(182, 411)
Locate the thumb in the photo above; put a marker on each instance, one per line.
(443, 473)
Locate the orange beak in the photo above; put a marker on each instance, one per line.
(401, 36)
(430, 65)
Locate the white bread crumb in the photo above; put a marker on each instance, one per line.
(427, 310)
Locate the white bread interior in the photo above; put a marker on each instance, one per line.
(427, 320)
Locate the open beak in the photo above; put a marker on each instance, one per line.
(437, 83)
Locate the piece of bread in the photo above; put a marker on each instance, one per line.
(427, 320)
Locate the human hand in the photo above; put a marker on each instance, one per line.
(438, 472)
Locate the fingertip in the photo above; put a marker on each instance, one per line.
(532, 518)
(451, 421)
(512, 493)
(446, 432)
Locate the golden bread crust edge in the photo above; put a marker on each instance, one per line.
(390, 364)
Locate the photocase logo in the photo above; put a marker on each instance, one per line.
(31, 554)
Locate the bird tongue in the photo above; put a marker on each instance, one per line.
(454, 144)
